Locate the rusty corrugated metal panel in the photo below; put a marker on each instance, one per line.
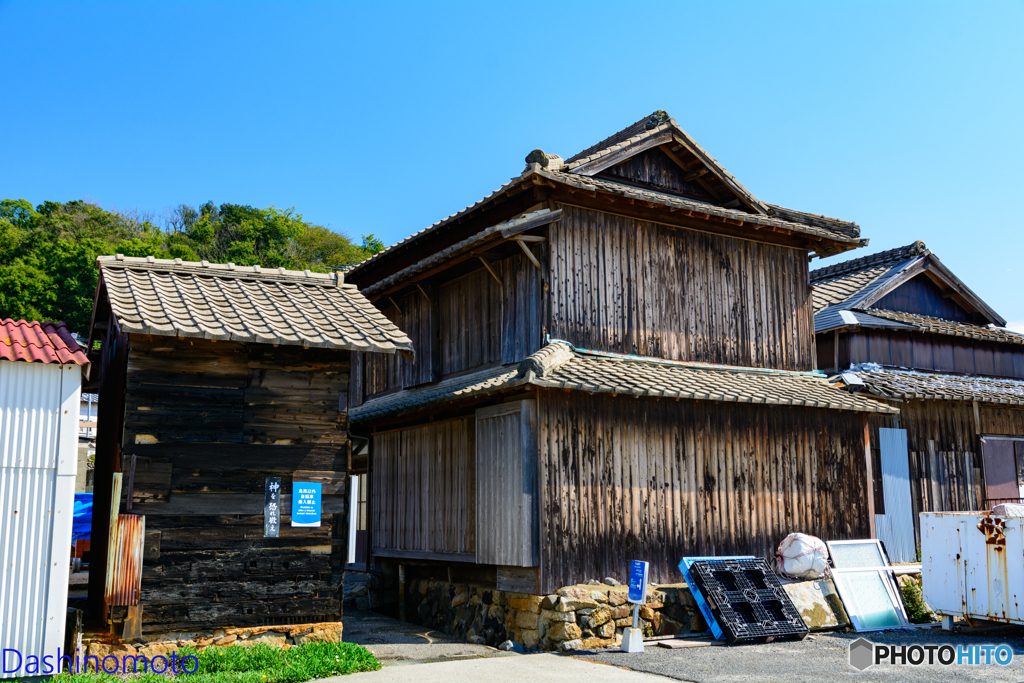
(35, 342)
(124, 573)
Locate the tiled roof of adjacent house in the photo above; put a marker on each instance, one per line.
(558, 365)
(245, 303)
(850, 280)
(35, 342)
(909, 384)
(925, 323)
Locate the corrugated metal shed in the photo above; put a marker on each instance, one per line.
(39, 397)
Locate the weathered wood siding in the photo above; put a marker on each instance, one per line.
(207, 422)
(624, 478)
(945, 451)
(506, 490)
(458, 326)
(942, 353)
(383, 372)
(631, 286)
(653, 167)
(424, 491)
(470, 322)
(921, 295)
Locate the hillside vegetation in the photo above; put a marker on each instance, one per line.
(48, 252)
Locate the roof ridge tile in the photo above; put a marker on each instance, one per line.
(896, 255)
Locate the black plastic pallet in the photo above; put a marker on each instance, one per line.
(747, 601)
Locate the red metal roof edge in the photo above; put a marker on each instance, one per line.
(35, 342)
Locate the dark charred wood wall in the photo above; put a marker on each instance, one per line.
(944, 451)
(631, 286)
(207, 422)
(460, 325)
(921, 295)
(624, 478)
(922, 351)
(653, 168)
(423, 501)
(470, 322)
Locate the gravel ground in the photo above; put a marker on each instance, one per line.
(823, 659)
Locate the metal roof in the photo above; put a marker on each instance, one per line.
(35, 342)
(243, 303)
(559, 365)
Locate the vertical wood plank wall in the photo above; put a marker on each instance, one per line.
(944, 451)
(467, 323)
(631, 286)
(424, 489)
(625, 478)
(506, 474)
(470, 322)
(653, 167)
(942, 353)
(207, 422)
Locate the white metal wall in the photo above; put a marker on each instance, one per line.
(38, 460)
(896, 527)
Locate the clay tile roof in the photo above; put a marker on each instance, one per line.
(902, 384)
(925, 323)
(559, 365)
(245, 303)
(35, 342)
(851, 279)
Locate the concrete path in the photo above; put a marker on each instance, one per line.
(548, 668)
(396, 642)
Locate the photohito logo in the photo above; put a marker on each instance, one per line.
(864, 653)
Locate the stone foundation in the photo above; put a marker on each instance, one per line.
(163, 644)
(574, 617)
(584, 616)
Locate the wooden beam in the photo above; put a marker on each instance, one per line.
(397, 307)
(491, 271)
(870, 475)
(696, 174)
(425, 295)
(674, 157)
(529, 254)
(532, 238)
(536, 222)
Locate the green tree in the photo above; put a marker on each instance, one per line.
(48, 252)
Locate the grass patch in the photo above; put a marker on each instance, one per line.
(258, 663)
(913, 598)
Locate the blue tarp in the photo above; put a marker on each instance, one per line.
(82, 524)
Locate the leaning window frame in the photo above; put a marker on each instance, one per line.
(888, 578)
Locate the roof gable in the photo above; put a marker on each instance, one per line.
(892, 279)
(608, 168)
(696, 166)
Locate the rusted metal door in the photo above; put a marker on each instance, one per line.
(1000, 468)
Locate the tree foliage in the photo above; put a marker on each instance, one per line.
(48, 252)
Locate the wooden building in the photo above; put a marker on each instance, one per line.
(213, 378)
(615, 360)
(901, 326)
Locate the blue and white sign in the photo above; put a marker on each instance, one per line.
(305, 504)
(638, 582)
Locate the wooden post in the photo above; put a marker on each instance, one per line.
(401, 592)
(870, 475)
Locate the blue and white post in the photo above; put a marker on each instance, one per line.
(633, 638)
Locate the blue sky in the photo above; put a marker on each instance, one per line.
(386, 117)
